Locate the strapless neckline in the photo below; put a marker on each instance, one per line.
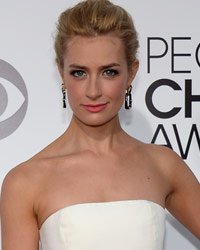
(101, 203)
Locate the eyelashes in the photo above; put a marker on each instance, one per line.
(111, 72)
(81, 73)
(77, 73)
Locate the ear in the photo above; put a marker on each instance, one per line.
(133, 72)
(60, 69)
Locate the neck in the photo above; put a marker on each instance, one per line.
(99, 139)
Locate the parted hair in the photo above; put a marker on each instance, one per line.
(92, 18)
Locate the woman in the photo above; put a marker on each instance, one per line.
(96, 187)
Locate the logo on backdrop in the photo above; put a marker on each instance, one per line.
(13, 99)
(182, 85)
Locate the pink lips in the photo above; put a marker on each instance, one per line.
(95, 108)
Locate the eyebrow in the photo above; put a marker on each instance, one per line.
(102, 67)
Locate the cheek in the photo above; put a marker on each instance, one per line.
(74, 90)
(116, 89)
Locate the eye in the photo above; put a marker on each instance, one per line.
(77, 73)
(110, 72)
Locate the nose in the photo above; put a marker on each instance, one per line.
(93, 89)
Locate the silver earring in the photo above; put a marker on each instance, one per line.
(64, 95)
(128, 98)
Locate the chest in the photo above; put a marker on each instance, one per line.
(101, 179)
(102, 176)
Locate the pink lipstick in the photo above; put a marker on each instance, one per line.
(95, 108)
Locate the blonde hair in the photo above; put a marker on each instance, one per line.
(96, 17)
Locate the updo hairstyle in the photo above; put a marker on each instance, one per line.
(96, 17)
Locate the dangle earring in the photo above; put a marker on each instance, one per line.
(128, 98)
(64, 95)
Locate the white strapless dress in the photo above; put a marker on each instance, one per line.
(113, 225)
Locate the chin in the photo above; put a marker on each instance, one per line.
(95, 121)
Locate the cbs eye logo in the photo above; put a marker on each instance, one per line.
(13, 99)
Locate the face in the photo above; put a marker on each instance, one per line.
(96, 77)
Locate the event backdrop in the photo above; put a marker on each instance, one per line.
(166, 92)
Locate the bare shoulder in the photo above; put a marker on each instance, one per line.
(160, 155)
(24, 173)
(169, 164)
(168, 160)
(17, 176)
(19, 180)
(31, 173)
(184, 199)
(24, 180)
(18, 195)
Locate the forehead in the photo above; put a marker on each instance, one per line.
(99, 49)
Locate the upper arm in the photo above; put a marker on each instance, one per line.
(18, 222)
(184, 200)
